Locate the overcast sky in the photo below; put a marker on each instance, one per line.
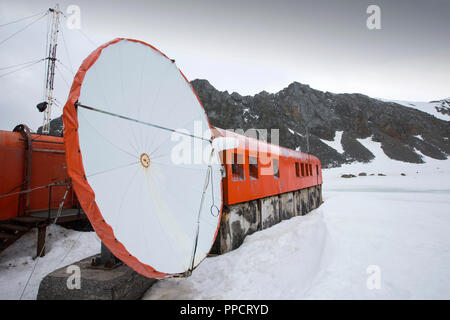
(243, 46)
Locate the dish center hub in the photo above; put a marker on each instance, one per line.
(145, 160)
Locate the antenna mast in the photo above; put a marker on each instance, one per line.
(50, 67)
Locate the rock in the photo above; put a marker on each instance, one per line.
(382, 175)
(362, 174)
(402, 174)
(56, 127)
(121, 283)
(348, 176)
(355, 149)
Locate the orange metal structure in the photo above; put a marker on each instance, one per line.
(29, 161)
(255, 169)
(258, 169)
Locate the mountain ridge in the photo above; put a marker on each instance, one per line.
(298, 107)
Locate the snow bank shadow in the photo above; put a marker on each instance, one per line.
(281, 262)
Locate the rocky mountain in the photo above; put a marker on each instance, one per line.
(56, 127)
(405, 133)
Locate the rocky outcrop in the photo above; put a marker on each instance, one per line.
(56, 127)
(443, 106)
(243, 219)
(299, 108)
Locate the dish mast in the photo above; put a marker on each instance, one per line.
(50, 67)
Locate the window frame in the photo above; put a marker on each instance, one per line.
(255, 165)
(276, 174)
(237, 169)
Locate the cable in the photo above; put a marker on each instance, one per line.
(139, 121)
(18, 20)
(32, 189)
(213, 206)
(28, 65)
(84, 34)
(89, 39)
(62, 77)
(11, 190)
(66, 67)
(205, 187)
(67, 51)
(116, 168)
(44, 91)
(45, 242)
(68, 251)
(55, 103)
(58, 103)
(20, 64)
(34, 21)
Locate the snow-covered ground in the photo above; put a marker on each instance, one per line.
(63, 248)
(396, 226)
(393, 228)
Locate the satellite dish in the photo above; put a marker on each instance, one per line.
(128, 110)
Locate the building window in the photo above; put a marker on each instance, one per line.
(237, 168)
(297, 169)
(276, 168)
(310, 170)
(253, 167)
(303, 169)
(317, 169)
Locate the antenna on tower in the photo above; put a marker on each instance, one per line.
(50, 65)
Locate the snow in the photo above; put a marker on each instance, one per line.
(259, 267)
(399, 226)
(294, 132)
(381, 159)
(395, 224)
(247, 110)
(428, 107)
(383, 164)
(336, 143)
(63, 248)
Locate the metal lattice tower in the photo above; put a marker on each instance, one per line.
(50, 66)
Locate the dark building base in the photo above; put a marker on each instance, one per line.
(242, 219)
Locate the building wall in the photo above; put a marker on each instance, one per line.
(48, 165)
(242, 219)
